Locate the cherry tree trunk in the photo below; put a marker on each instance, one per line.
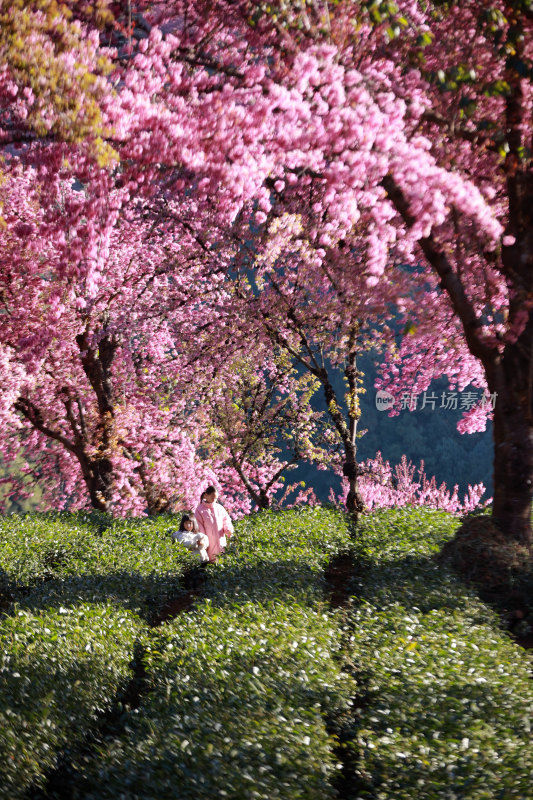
(513, 440)
(511, 375)
(347, 433)
(354, 500)
(263, 499)
(98, 470)
(98, 476)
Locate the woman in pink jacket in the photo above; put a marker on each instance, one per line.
(214, 521)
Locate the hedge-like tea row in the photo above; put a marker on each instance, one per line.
(242, 684)
(66, 559)
(280, 556)
(81, 575)
(59, 671)
(236, 710)
(35, 546)
(449, 701)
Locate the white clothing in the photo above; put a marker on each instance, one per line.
(195, 542)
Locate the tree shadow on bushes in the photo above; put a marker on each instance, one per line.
(264, 581)
(411, 581)
(144, 594)
(487, 559)
(5, 590)
(498, 569)
(419, 582)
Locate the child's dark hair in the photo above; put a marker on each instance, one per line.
(209, 490)
(189, 518)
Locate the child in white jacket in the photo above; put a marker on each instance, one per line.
(189, 534)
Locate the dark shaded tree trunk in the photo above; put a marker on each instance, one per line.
(354, 500)
(347, 433)
(264, 502)
(511, 376)
(511, 379)
(98, 476)
(97, 365)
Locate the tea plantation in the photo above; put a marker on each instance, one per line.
(262, 688)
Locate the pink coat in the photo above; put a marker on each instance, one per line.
(215, 522)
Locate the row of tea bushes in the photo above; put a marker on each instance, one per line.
(61, 559)
(241, 686)
(236, 710)
(70, 631)
(36, 546)
(280, 555)
(60, 670)
(447, 706)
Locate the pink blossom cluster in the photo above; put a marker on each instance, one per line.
(383, 486)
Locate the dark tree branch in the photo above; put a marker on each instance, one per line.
(449, 280)
(34, 416)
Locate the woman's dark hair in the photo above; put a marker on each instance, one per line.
(189, 518)
(209, 490)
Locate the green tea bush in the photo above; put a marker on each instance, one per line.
(241, 686)
(67, 572)
(59, 672)
(390, 534)
(36, 546)
(395, 552)
(66, 559)
(280, 555)
(306, 534)
(236, 709)
(450, 712)
(447, 705)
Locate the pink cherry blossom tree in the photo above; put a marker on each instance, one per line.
(388, 138)
(422, 139)
(262, 423)
(103, 371)
(102, 287)
(54, 73)
(321, 316)
(383, 486)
